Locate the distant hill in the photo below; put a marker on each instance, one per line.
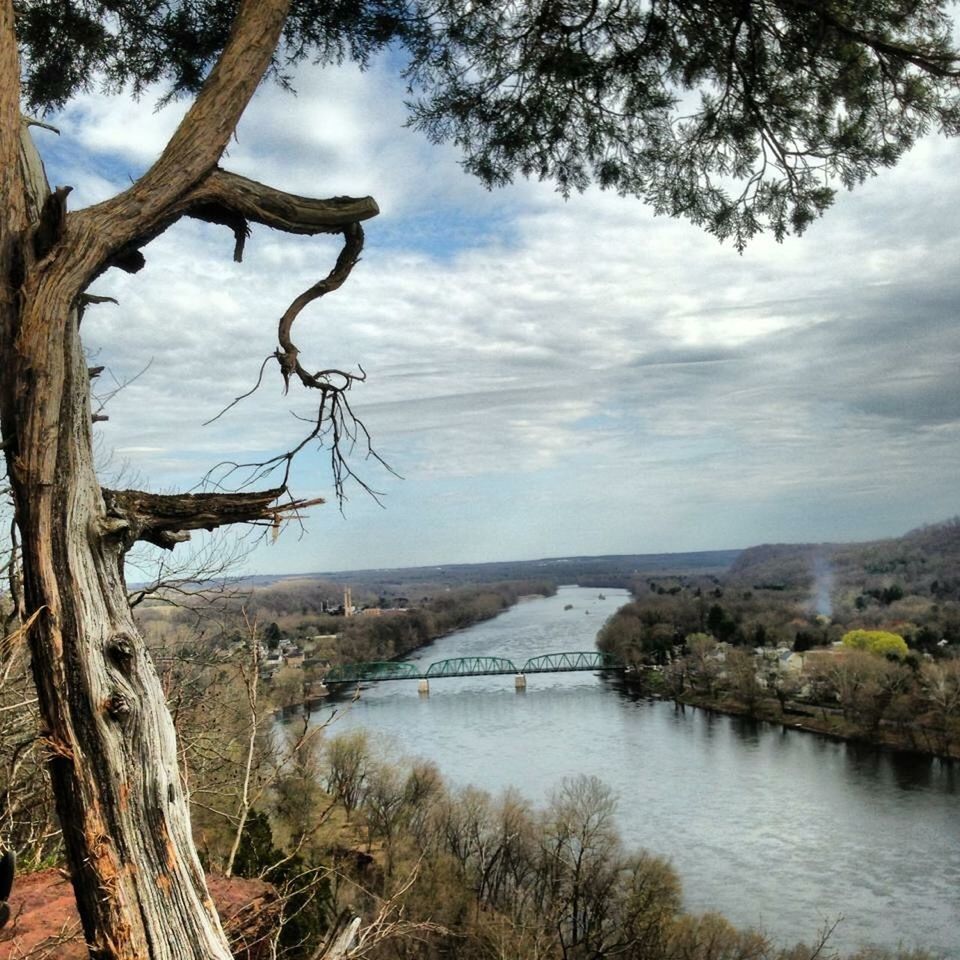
(786, 565)
(911, 581)
(612, 570)
(924, 562)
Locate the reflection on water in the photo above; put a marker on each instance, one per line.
(769, 826)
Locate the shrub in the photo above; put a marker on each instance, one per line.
(881, 642)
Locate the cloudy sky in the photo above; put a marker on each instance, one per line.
(547, 377)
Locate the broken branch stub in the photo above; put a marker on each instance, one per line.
(166, 519)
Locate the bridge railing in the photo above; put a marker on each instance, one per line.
(571, 661)
(470, 667)
(372, 670)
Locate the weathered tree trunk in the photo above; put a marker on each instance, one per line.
(110, 740)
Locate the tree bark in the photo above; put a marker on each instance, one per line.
(166, 519)
(112, 753)
(109, 737)
(110, 740)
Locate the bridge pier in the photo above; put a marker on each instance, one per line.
(520, 683)
(424, 688)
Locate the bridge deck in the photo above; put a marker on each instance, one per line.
(379, 671)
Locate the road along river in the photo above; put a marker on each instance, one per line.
(774, 828)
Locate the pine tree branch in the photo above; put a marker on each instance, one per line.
(144, 210)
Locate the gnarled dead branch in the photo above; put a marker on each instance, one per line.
(288, 354)
(334, 425)
(166, 519)
(233, 201)
(229, 199)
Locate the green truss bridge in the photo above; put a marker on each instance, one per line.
(374, 672)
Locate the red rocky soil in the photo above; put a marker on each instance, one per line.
(44, 924)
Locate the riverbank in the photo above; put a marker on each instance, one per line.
(826, 722)
(770, 830)
(394, 636)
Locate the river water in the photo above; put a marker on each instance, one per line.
(773, 828)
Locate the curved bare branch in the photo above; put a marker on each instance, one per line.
(230, 194)
(288, 353)
(334, 426)
(228, 199)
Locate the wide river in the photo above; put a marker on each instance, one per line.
(779, 829)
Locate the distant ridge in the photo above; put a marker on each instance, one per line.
(613, 567)
(790, 562)
(937, 543)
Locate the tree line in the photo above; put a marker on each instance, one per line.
(752, 642)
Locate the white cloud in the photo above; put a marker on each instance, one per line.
(531, 356)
